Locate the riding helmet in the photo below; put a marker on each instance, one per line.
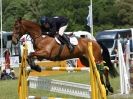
(43, 20)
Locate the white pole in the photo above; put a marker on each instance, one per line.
(91, 26)
(124, 80)
(1, 31)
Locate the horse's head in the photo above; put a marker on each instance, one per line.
(18, 31)
(22, 27)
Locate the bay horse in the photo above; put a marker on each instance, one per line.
(47, 48)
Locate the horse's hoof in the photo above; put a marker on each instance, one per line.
(107, 92)
(111, 89)
(36, 68)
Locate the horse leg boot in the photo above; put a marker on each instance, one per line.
(67, 41)
(32, 64)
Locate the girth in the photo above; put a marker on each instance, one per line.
(57, 57)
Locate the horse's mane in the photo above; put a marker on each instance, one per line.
(33, 24)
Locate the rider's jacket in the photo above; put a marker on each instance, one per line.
(55, 24)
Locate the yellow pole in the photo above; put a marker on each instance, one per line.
(96, 74)
(22, 84)
(94, 89)
(93, 83)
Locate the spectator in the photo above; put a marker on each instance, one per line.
(3, 75)
(7, 58)
(12, 74)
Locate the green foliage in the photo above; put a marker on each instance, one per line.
(107, 14)
(125, 12)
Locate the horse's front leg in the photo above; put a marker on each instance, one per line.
(32, 56)
(32, 64)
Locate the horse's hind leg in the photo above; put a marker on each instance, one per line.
(85, 62)
(106, 74)
(32, 64)
(102, 81)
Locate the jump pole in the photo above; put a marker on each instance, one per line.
(95, 77)
(22, 84)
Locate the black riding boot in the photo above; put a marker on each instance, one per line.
(60, 38)
(67, 41)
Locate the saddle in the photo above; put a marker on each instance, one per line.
(72, 39)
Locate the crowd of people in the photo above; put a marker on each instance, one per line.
(8, 74)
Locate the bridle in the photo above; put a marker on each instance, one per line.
(18, 32)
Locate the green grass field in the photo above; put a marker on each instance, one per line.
(8, 88)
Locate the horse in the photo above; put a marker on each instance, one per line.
(47, 48)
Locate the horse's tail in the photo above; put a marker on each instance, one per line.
(106, 57)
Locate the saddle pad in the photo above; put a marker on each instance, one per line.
(73, 40)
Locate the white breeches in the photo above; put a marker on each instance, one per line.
(62, 29)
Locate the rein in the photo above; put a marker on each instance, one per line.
(35, 37)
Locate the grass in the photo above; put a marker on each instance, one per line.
(78, 77)
(8, 88)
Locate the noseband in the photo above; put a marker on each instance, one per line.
(18, 32)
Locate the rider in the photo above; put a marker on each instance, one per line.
(56, 24)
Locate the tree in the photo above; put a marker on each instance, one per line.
(12, 10)
(125, 12)
(107, 14)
